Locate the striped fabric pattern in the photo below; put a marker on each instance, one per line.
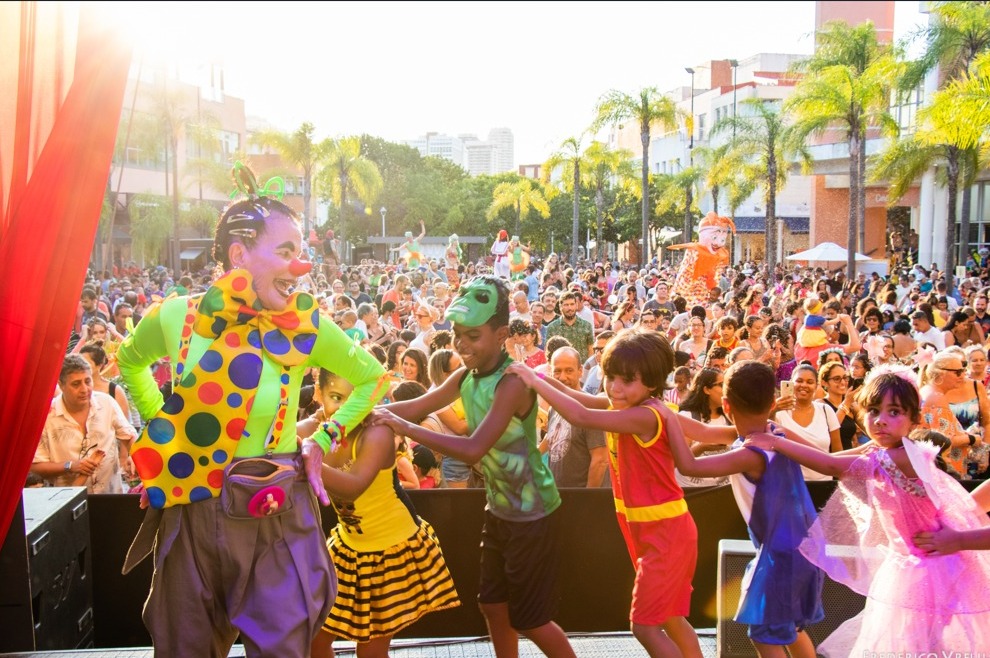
(380, 593)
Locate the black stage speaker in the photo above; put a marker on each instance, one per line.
(46, 600)
(840, 602)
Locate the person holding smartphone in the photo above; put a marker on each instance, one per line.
(797, 410)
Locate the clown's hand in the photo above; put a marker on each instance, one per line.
(312, 455)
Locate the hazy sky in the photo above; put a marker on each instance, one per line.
(398, 70)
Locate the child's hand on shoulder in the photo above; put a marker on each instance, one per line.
(380, 416)
(763, 440)
(523, 372)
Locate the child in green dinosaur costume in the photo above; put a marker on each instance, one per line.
(520, 540)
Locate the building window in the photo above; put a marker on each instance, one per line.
(701, 127)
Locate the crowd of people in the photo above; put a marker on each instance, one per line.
(371, 376)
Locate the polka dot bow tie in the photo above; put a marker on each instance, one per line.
(185, 448)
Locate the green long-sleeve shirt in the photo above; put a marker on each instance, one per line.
(158, 334)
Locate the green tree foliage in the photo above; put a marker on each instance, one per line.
(151, 225)
(650, 109)
(847, 86)
(764, 139)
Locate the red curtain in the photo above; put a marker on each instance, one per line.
(57, 133)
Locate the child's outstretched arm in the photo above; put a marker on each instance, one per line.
(419, 408)
(702, 433)
(947, 541)
(727, 463)
(636, 420)
(512, 398)
(824, 463)
(376, 452)
(532, 379)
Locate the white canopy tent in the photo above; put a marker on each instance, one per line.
(828, 252)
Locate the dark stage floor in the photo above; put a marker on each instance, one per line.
(592, 645)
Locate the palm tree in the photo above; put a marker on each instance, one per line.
(346, 173)
(522, 197)
(649, 108)
(763, 138)
(847, 86)
(606, 168)
(296, 149)
(956, 35)
(569, 158)
(941, 138)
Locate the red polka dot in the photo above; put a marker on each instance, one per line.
(287, 320)
(235, 428)
(233, 340)
(281, 412)
(190, 318)
(239, 283)
(250, 403)
(148, 463)
(215, 478)
(186, 330)
(278, 426)
(176, 492)
(210, 393)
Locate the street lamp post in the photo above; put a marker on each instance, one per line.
(383, 211)
(735, 64)
(688, 230)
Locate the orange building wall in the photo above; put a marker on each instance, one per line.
(829, 219)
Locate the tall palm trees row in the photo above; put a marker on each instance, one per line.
(847, 86)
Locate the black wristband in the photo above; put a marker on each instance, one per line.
(972, 440)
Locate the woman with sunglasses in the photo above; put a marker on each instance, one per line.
(942, 380)
(834, 380)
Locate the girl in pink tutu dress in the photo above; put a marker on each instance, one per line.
(887, 493)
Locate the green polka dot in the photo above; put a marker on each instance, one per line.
(212, 301)
(203, 429)
(304, 302)
(204, 461)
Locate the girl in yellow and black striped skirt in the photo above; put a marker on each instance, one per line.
(390, 569)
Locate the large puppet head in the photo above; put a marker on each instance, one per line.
(713, 230)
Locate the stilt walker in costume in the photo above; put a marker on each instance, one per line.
(412, 251)
(388, 559)
(500, 250)
(696, 275)
(233, 520)
(453, 255)
(518, 259)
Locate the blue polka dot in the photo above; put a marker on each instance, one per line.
(179, 368)
(245, 371)
(211, 361)
(284, 378)
(174, 404)
(199, 493)
(181, 465)
(234, 400)
(254, 338)
(304, 342)
(220, 456)
(276, 342)
(156, 497)
(161, 430)
(316, 318)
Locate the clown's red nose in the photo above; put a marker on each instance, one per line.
(299, 267)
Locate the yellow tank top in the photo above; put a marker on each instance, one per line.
(381, 517)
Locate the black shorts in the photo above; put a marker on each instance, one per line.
(519, 566)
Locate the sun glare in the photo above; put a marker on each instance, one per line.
(178, 35)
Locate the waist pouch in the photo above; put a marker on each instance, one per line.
(257, 487)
